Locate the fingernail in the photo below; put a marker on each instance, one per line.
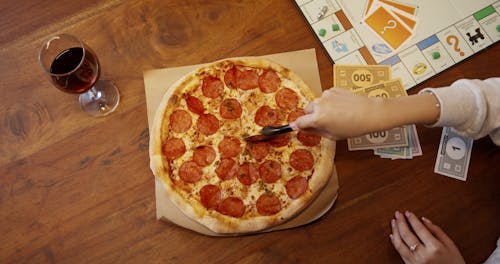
(397, 214)
(391, 237)
(426, 220)
(294, 126)
(407, 214)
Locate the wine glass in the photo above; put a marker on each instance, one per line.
(74, 68)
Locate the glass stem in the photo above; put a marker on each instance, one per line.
(94, 94)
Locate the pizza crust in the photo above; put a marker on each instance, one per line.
(215, 221)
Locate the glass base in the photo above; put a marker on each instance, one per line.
(100, 100)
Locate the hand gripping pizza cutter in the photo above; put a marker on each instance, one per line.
(269, 131)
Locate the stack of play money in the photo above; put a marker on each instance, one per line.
(375, 81)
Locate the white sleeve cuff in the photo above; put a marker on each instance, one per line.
(460, 106)
(495, 256)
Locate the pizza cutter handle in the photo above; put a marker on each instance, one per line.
(276, 130)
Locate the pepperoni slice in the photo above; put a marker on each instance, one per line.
(302, 160)
(232, 206)
(230, 109)
(247, 79)
(204, 155)
(269, 81)
(230, 77)
(258, 150)
(280, 140)
(212, 87)
(268, 204)
(287, 99)
(296, 186)
(266, 116)
(270, 171)
(295, 114)
(247, 173)
(229, 147)
(190, 172)
(308, 139)
(207, 124)
(210, 196)
(180, 121)
(195, 105)
(227, 169)
(173, 148)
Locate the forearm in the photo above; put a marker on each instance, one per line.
(471, 107)
(414, 109)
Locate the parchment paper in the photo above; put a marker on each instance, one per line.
(304, 64)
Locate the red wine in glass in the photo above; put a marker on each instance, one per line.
(74, 68)
(69, 76)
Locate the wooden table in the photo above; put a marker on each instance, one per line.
(78, 189)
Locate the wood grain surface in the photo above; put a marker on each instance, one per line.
(77, 189)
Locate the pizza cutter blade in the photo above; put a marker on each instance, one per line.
(269, 131)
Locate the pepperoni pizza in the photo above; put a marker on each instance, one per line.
(211, 173)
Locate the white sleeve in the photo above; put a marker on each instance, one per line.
(471, 107)
(495, 256)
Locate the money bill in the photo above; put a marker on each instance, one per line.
(453, 155)
(389, 89)
(356, 77)
(394, 153)
(397, 152)
(414, 149)
(396, 137)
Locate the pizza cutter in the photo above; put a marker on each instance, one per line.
(269, 131)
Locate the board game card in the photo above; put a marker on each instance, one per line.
(453, 155)
(409, 19)
(410, 22)
(410, 9)
(369, 4)
(388, 27)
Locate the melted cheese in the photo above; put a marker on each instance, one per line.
(250, 101)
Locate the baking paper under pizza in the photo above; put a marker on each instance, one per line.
(211, 173)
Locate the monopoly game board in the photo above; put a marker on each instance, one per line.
(418, 38)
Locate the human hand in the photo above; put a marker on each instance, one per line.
(427, 243)
(339, 114)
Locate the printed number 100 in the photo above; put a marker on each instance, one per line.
(381, 134)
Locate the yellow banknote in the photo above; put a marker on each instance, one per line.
(390, 89)
(356, 77)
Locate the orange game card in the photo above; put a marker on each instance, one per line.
(388, 27)
(368, 6)
(410, 22)
(403, 7)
